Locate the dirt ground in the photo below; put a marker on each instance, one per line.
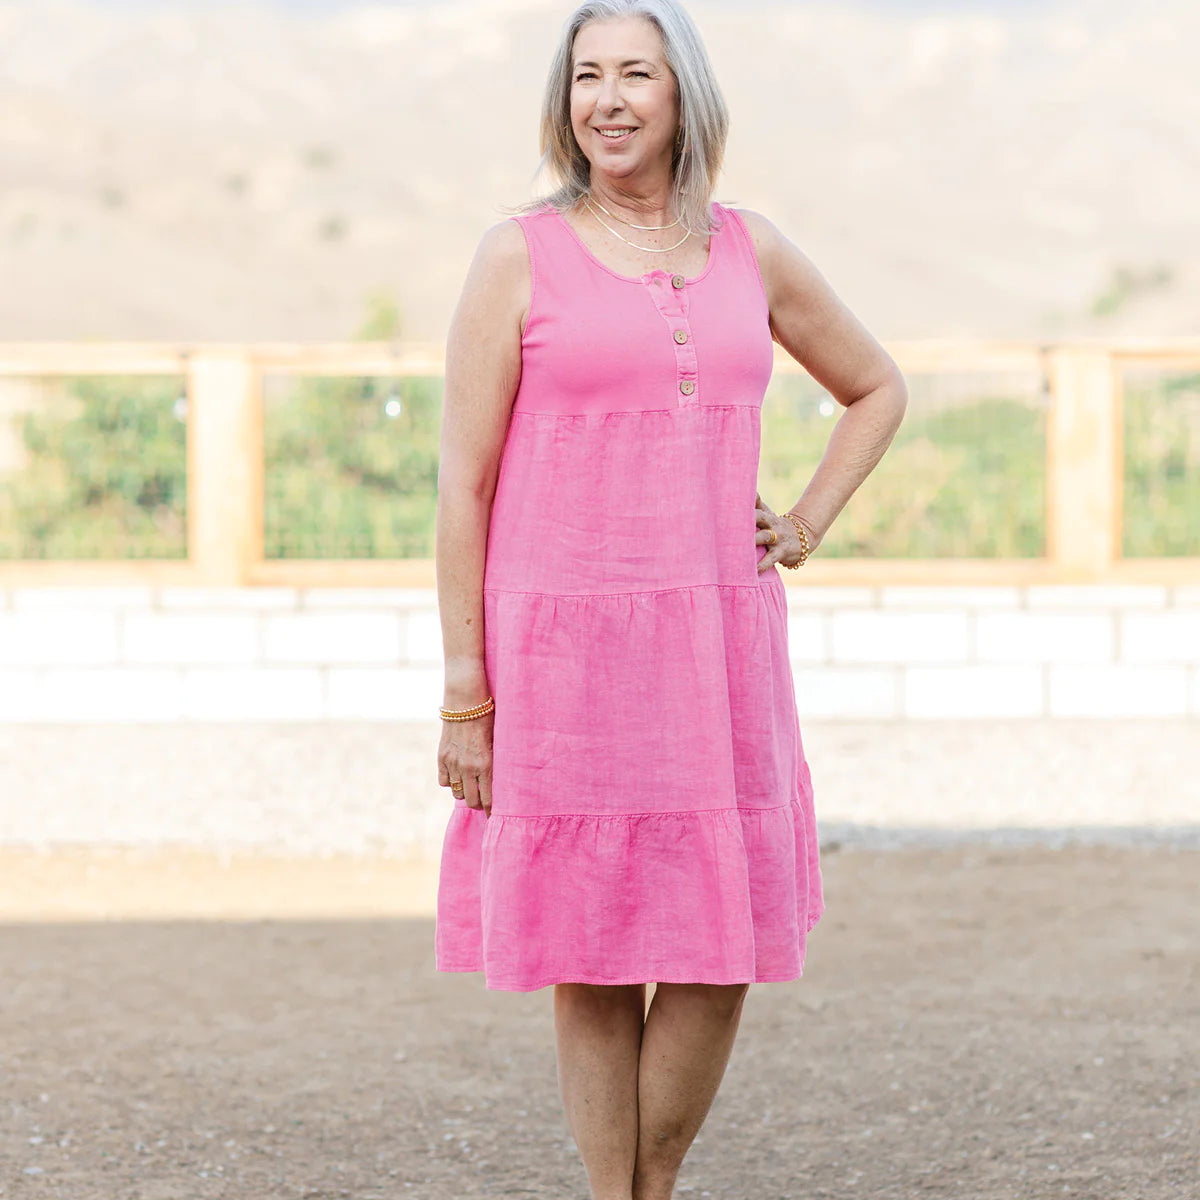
(998, 1023)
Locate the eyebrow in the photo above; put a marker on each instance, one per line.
(629, 62)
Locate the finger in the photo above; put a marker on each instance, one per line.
(443, 774)
(485, 792)
(471, 789)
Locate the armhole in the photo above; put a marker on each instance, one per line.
(751, 251)
(533, 311)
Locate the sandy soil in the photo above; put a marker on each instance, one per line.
(999, 1023)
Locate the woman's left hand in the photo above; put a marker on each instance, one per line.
(779, 535)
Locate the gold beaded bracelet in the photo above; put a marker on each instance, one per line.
(468, 714)
(799, 527)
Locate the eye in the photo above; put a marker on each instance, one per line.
(585, 75)
(643, 74)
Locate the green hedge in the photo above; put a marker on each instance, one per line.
(351, 471)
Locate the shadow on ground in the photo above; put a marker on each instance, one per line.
(992, 1022)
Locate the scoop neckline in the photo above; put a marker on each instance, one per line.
(642, 279)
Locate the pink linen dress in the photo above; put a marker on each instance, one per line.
(652, 809)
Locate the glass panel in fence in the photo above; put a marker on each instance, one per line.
(1161, 438)
(964, 477)
(350, 466)
(93, 467)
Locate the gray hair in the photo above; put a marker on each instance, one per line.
(703, 117)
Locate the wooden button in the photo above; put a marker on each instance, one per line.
(687, 387)
(681, 336)
(677, 281)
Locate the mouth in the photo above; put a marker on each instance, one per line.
(616, 136)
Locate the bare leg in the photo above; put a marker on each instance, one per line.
(686, 1043)
(599, 1032)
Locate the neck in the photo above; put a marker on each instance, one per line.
(650, 206)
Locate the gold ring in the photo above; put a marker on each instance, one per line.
(774, 538)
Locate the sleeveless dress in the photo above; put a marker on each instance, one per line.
(652, 809)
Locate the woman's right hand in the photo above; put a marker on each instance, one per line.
(465, 753)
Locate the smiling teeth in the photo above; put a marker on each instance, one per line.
(613, 133)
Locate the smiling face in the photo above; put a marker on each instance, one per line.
(624, 99)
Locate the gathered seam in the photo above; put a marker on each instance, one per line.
(624, 816)
(630, 412)
(685, 587)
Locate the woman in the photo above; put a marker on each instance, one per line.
(632, 801)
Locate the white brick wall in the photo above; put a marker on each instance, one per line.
(863, 692)
(1022, 637)
(309, 654)
(1167, 637)
(358, 637)
(1119, 689)
(973, 691)
(59, 635)
(900, 637)
(218, 639)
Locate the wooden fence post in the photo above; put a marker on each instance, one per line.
(225, 467)
(1083, 464)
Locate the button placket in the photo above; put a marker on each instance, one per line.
(671, 297)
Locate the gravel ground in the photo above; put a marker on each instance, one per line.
(991, 1023)
(216, 976)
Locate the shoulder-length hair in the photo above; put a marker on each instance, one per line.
(703, 117)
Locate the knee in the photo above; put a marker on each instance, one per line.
(664, 1135)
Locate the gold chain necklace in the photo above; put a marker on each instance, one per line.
(647, 249)
(630, 223)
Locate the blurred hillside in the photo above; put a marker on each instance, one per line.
(238, 172)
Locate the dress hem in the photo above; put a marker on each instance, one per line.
(620, 981)
(623, 980)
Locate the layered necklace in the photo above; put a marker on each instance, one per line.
(592, 205)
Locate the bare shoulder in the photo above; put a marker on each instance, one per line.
(810, 321)
(499, 278)
(503, 245)
(771, 246)
(502, 255)
(762, 231)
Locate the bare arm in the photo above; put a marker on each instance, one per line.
(483, 370)
(817, 329)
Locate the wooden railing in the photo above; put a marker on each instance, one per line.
(225, 462)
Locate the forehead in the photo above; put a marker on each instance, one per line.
(620, 38)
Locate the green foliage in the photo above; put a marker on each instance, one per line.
(344, 479)
(382, 322)
(352, 462)
(351, 468)
(957, 481)
(105, 473)
(1126, 283)
(1162, 466)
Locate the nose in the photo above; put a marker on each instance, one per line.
(610, 95)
